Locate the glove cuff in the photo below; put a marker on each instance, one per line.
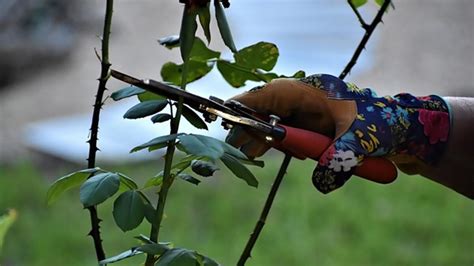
(431, 125)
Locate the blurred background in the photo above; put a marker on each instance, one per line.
(48, 72)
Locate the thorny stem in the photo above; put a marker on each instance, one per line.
(266, 209)
(94, 130)
(246, 254)
(359, 16)
(368, 32)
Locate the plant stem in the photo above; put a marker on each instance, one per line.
(266, 209)
(358, 15)
(167, 178)
(284, 165)
(94, 130)
(368, 32)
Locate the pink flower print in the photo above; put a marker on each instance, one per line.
(435, 125)
(327, 156)
(424, 98)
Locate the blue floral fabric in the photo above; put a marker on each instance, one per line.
(402, 124)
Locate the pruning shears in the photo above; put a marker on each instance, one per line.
(296, 142)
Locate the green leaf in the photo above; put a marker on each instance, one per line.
(6, 222)
(150, 213)
(124, 255)
(172, 72)
(148, 96)
(184, 163)
(145, 109)
(99, 188)
(126, 183)
(253, 162)
(153, 248)
(201, 146)
(205, 20)
(267, 77)
(359, 3)
(144, 239)
(299, 74)
(154, 181)
(239, 170)
(201, 52)
(231, 150)
(129, 210)
(203, 168)
(68, 182)
(184, 257)
(206, 261)
(263, 55)
(188, 31)
(236, 75)
(159, 118)
(177, 257)
(189, 178)
(193, 118)
(169, 42)
(126, 92)
(163, 140)
(223, 26)
(379, 2)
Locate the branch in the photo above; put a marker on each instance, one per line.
(364, 25)
(266, 209)
(365, 39)
(94, 130)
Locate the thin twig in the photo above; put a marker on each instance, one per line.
(94, 130)
(364, 25)
(365, 39)
(266, 209)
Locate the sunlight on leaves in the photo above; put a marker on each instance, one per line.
(262, 55)
(358, 3)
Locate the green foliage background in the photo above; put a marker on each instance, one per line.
(410, 222)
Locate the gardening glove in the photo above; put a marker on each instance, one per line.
(411, 131)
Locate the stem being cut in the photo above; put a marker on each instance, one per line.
(167, 178)
(246, 254)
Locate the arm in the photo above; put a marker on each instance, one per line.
(456, 168)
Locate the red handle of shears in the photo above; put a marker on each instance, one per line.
(303, 143)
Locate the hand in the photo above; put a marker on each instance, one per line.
(409, 130)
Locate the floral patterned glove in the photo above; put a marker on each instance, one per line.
(384, 126)
(360, 123)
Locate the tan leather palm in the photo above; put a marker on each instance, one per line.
(298, 105)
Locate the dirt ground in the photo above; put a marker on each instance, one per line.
(424, 47)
